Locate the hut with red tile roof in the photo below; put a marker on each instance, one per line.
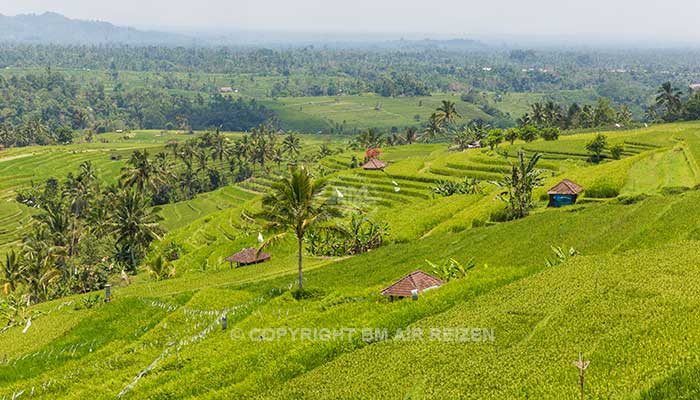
(374, 165)
(415, 282)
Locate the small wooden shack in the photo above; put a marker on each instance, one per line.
(564, 193)
(248, 256)
(374, 165)
(417, 281)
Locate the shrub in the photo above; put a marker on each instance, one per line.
(160, 268)
(448, 188)
(672, 190)
(597, 146)
(500, 215)
(307, 293)
(627, 200)
(529, 133)
(550, 134)
(616, 151)
(451, 269)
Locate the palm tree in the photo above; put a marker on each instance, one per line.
(463, 139)
(261, 145)
(39, 268)
(670, 98)
(371, 138)
(219, 146)
(447, 113)
(278, 156)
(12, 273)
(433, 129)
(538, 113)
(295, 204)
(135, 225)
(140, 172)
(552, 114)
(410, 135)
(324, 151)
(291, 145)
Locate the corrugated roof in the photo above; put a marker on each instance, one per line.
(374, 164)
(417, 280)
(566, 187)
(248, 256)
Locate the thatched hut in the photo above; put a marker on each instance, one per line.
(564, 193)
(374, 165)
(248, 256)
(411, 284)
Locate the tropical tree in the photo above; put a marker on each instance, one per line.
(669, 97)
(529, 133)
(135, 225)
(551, 133)
(624, 115)
(12, 272)
(295, 204)
(371, 138)
(447, 113)
(433, 128)
(39, 269)
(494, 138)
(463, 138)
(160, 268)
(219, 146)
(140, 172)
(291, 145)
(604, 113)
(597, 146)
(617, 150)
(524, 177)
(410, 135)
(511, 135)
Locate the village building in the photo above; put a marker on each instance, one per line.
(248, 256)
(412, 284)
(564, 193)
(374, 165)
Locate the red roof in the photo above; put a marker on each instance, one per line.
(417, 280)
(248, 256)
(374, 164)
(566, 187)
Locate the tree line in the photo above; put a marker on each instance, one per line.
(45, 108)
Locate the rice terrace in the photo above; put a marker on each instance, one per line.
(283, 212)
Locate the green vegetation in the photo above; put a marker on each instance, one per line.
(156, 213)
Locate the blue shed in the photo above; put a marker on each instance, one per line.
(564, 193)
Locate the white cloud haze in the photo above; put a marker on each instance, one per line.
(620, 19)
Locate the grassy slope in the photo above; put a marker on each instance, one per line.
(621, 289)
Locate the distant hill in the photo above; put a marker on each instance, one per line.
(57, 29)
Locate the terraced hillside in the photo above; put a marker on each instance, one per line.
(627, 300)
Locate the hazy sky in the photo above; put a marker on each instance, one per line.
(658, 19)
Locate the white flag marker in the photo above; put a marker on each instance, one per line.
(260, 237)
(26, 328)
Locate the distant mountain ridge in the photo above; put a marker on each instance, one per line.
(53, 28)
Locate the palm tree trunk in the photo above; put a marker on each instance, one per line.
(300, 242)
